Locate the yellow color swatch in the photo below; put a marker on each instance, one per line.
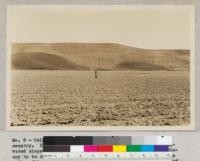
(119, 148)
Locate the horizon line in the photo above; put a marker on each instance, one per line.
(114, 43)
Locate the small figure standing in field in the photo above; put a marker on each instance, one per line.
(95, 74)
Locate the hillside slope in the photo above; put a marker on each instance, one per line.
(102, 56)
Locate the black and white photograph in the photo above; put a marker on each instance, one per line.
(100, 67)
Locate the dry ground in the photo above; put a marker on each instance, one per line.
(115, 98)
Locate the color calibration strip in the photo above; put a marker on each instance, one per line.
(108, 147)
(107, 140)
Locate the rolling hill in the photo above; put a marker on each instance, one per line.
(90, 56)
(39, 60)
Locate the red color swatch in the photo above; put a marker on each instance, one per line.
(105, 148)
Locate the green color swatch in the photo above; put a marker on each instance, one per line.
(133, 148)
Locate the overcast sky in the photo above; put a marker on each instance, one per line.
(158, 27)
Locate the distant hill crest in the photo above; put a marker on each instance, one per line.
(100, 56)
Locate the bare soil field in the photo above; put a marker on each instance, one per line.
(115, 98)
